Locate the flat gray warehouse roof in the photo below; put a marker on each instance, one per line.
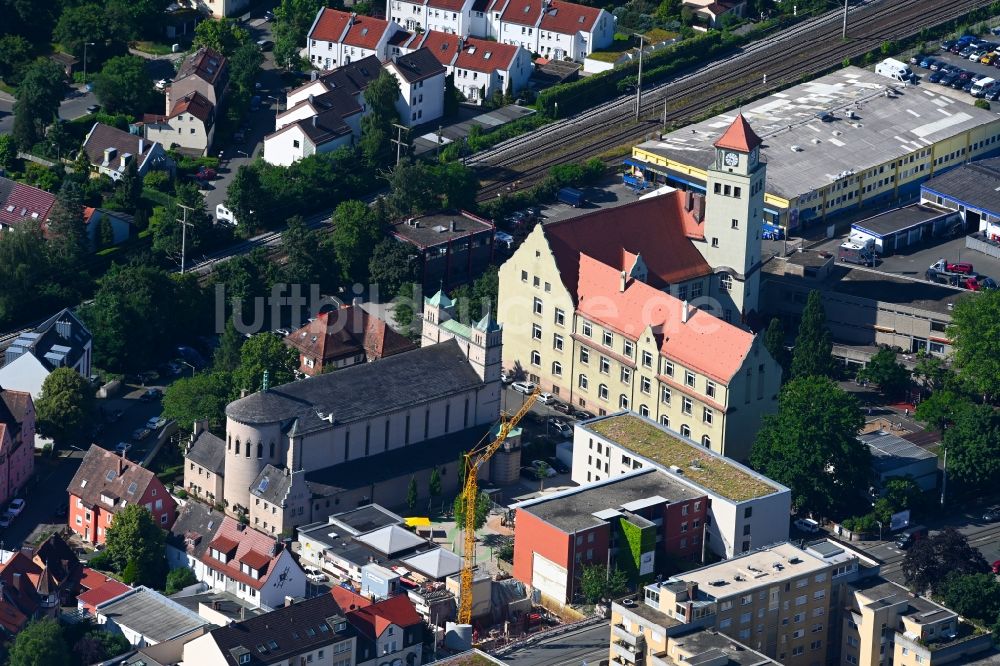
(900, 219)
(805, 154)
(890, 452)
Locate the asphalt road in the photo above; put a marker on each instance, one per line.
(6, 113)
(586, 647)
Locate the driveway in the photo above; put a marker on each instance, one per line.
(43, 498)
(6, 113)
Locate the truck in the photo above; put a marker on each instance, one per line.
(894, 69)
(571, 196)
(908, 537)
(980, 86)
(955, 274)
(857, 251)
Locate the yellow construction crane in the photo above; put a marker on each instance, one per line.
(475, 459)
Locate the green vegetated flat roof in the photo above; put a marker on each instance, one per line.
(621, 47)
(712, 472)
(471, 658)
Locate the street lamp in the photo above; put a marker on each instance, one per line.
(879, 523)
(85, 45)
(188, 365)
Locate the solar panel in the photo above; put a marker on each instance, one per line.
(262, 486)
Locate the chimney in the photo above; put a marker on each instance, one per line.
(451, 226)
(314, 120)
(692, 590)
(699, 207)
(200, 426)
(142, 146)
(243, 612)
(622, 281)
(311, 98)
(688, 200)
(354, 17)
(684, 312)
(461, 43)
(121, 463)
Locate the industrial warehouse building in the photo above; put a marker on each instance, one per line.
(844, 140)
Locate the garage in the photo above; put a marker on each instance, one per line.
(548, 578)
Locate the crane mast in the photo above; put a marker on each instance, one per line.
(475, 459)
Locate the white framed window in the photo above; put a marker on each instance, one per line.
(536, 332)
(689, 378)
(710, 388)
(647, 359)
(588, 329)
(557, 368)
(605, 365)
(706, 441)
(644, 411)
(536, 358)
(668, 368)
(685, 430)
(707, 415)
(628, 348)
(608, 339)
(645, 385)
(623, 401)
(686, 405)
(665, 395)
(602, 391)
(582, 382)
(557, 342)
(537, 306)
(626, 375)
(560, 317)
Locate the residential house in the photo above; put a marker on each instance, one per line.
(109, 151)
(389, 631)
(453, 17)
(105, 228)
(714, 13)
(558, 535)
(311, 631)
(421, 86)
(344, 337)
(195, 527)
(552, 28)
(339, 38)
(61, 341)
(453, 247)
(205, 469)
(222, 8)
(106, 483)
(17, 442)
(188, 127)
(146, 617)
(205, 71)
(746, 510)
(95, 589)
(483, 69)
(36, 580)
(23, 202)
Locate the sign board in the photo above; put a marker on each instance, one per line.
(899, 520)
(646, 563)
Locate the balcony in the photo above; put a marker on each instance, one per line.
(618, 631)
(630, 653)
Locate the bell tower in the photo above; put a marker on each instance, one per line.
(734, 218)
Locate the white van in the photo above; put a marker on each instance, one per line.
(224, 216)
(980, 86)
(894, 69)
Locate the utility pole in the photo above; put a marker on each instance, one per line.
(184, 225)
(843, 33)
(664, 113)
(638, 84)
(399, 140)
(944, 476)
(85, 45)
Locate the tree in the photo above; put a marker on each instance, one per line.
(40, 643)
(933, 372)
(975, 596)
(376, 126)
(930, 560)
(975, 336)
(597, 583)
(482, 510)
(8, 152)
(262, 353)
(883, 369)
(306, 262)
(128, 190)
(903, 493)
(812, 353)
(292, 19)
(243, 197)
(135, 541)
(122, 85)
(65, 407)
(203, 396)
(167, 230)
(15, 56)
(941, 408)
(98, 645)
(227, 354)
(973, 446)
(67, 232)
(244, 66)
(434, 485)
(105, 233)
(811, 445)
(355, 235)
(392, 264)
(541, 473)
(411, 494)
(24, 267)
(774, 342)
(138, 17)
(37, 103)
(178, 579)
(87, 24)
(223, 35)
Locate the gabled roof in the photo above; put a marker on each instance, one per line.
(150, 614)
(255, 549)
(102, 592)
(437, 564)
(195, 527)
(658, 226)
(373, 620)
(522, 12)
(20, 202)
(739, 136)
(208, 451)
(418, 65)
(204, 63)
(58, 559)
(704, 342)
(103, 473)
(569, 18)
(102, 137)
(447, 5)
(392, 539)
(346, 332)
(442, 45)
(480, 55)
(58, 341)
(195, 104)
(352, 29)
(330, 25)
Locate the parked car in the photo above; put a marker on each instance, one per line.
(16, 507)
(807, 525)
(936, 76)
(314, 574)
(122, 448)
(910, 536)
(506, 376)
(151, 394)
(93, 108)
(161, 85)
(541, 464)
(546, 398)
(583, 414)
(156, 422)
(926, 62)
(562, 428)
(992, 514)
(559, 466)
(996, 567)
(527, 388)
(5, 520)
(265, 44)
(140, 434)
(268, 15)
(563, 407)
(206, 173)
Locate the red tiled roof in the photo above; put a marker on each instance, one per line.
(374, 619)
(255, 560)
(480, 55)
(107, 591)
(522, 12)
(223, 545)
(740, 136)
(704, 342)
(366, 32)
(442, 45)
(346, 332)
(330, 26)
(103, 472)
(204, 63)
(253, 548)
(659, 227)
(23, 202)
(196, 104)
(348, 599)
(11, 619)
(448, 5)
(569, 18)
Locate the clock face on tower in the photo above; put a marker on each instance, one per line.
(731, 159)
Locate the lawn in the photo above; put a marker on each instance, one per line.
(623, 44)
(712, 472)
(153, 48)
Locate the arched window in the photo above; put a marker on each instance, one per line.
(272, 451)
(706, 441)
(623, 401)
(643, 410)
(247, 450)
(665, 420)
(237, 447)
(685, 430)
(260, 450)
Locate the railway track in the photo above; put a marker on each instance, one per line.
(808, 48)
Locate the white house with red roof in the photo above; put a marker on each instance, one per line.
(255, 567)
(480, 67)
(189, 126)
(454, 17)
(421, 86)
(338, 38)
(552, 28)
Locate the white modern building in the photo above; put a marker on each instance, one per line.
(338, 38)
(421, 86)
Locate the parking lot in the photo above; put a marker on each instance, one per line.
(975, 67)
